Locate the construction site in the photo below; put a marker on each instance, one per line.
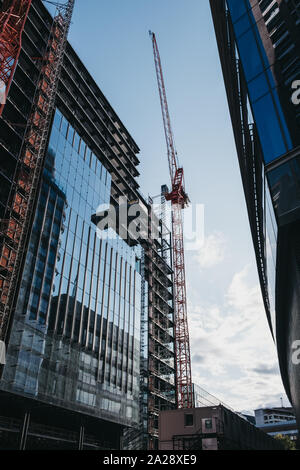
(90, 345)
(94, 336)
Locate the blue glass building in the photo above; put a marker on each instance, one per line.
(75, 339)
(259, 46)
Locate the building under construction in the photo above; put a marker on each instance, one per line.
(161, 362)
(87, 319)
(158, 377)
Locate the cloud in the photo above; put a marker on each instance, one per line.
(266, 369)
(197, 359)
(212, 251)
(241, 296)
(233, 354)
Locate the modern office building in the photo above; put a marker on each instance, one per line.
(276, 421)
(259, 46)
(94, 308)
(265, 416)
(210, 428)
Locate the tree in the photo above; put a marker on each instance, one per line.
(286, 441)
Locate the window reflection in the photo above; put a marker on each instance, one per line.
(285, 187)
(269, 129)
(269, 101)
(71, 289)
(237, 8)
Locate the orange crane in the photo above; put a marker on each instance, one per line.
(179, 200)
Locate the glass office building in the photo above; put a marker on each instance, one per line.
(259, 46)
(76, 333)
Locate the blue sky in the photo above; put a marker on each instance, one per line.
(232, 350)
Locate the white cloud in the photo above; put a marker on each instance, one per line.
(212, 251)
(242, 296)
(233, 353)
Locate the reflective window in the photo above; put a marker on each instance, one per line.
(242, 25)
(77, 303)
(271, 121)
(237, 8)
(271, 253)
(285, 187)
(249, 53)
(269, 130)
(258, 87)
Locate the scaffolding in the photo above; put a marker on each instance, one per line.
(157, 376)
(16, 225)
(161, 355)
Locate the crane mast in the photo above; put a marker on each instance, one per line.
(13, 15)
(179, 200)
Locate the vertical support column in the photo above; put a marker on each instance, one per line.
(24, 431)
(81, 438)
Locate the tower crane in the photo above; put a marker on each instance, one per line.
(179, 201)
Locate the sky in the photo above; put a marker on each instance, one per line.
(233, 355)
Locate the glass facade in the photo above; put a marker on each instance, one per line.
(76, 336)
(285, 186)
(263, 51)
(271, 254)
(265, 47)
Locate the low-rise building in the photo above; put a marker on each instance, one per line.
(276, 421)
(211, 428)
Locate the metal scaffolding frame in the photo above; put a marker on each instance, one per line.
(16, 225)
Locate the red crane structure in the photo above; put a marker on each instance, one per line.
(179, 200)
(13, 15)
